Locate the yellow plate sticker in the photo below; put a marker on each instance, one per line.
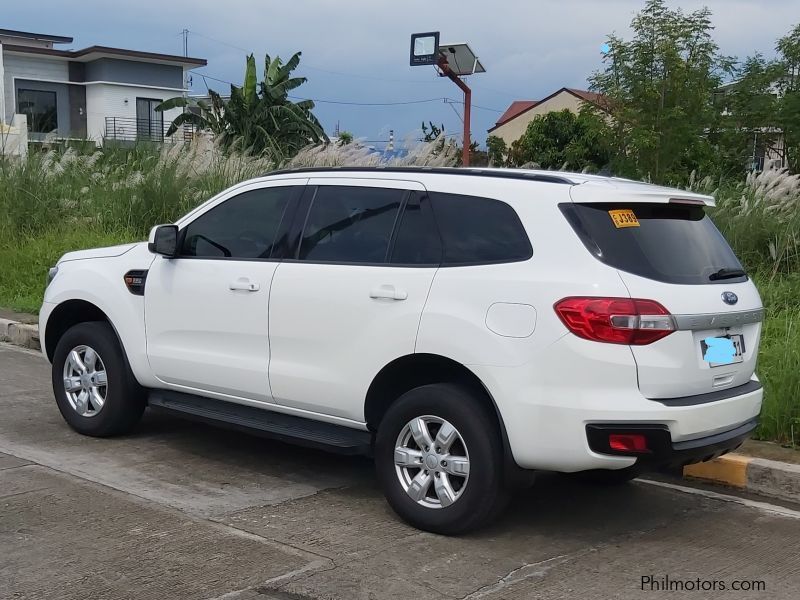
(624, 218)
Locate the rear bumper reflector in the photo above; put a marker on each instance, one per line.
(663, 452)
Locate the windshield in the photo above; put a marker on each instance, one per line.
(674, 243)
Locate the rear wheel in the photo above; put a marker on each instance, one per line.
(94, 388)
(439, 459)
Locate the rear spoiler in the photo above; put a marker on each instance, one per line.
(624, 191)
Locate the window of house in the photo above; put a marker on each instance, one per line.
(350, 224)
(40, 107)
(479, 230)
(245, 226)
(149, 121)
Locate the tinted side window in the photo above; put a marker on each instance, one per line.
(350, 224)
(245, 226)
(479, 230)
(417, 240)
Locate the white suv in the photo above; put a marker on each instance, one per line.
(467, 326)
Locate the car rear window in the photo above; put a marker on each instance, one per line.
(673, 243)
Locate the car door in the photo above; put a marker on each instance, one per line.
(206, 311)
(350, 300)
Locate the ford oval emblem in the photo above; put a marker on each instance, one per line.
(729, 298)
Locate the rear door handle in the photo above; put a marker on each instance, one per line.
(387, 292)
(244, 284)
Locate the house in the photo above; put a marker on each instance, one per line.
(514, 121)
(95, 93)
(768, 147)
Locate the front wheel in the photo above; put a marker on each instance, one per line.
(94, 388)
(439, 457)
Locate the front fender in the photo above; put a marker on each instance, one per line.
(100, 282)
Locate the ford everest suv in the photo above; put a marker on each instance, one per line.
(465, 326)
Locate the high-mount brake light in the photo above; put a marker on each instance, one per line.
(631, 321)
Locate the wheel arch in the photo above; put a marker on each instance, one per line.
(70, 313)
(413, 370)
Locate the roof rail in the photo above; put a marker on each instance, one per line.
(509, 174)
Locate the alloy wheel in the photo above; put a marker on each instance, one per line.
(85, 381)
(431, 461)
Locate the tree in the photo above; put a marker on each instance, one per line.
(497, 150)
(345, 138)
(788, 86)
(259, 117)
(761, 109)
(659, 88)
(563, 139)
(430, 132)
(747, 109)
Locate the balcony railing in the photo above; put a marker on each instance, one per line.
(146, 130)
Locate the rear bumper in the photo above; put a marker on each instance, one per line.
(662, 451)
(547, 405)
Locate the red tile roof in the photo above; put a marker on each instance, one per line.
(517, 107)
(520, 106)
(592, 97)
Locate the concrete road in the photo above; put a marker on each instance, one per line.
(179, 510)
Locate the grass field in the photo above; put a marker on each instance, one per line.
(55, 203)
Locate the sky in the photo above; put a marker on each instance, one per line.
(357, 51)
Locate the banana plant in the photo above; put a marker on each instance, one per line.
(259, 117)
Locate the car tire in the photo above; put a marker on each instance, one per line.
(103, 398)
(607, 476)
(450, 503)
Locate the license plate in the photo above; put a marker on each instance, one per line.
(623, 218)
(727, 352)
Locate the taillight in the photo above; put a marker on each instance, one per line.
(631, 321)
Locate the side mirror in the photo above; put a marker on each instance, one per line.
(164, 240)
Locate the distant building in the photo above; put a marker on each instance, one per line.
(513, 123)
(95, 93)
(768, 148)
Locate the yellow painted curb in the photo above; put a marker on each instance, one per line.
(730, 469)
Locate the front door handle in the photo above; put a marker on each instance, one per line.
(387, 292)
(244, 284)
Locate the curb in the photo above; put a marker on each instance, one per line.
(757, 475)
(20, 334)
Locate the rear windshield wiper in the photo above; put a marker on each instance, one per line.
(724, 273)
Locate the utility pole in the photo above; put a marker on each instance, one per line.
(185, 34)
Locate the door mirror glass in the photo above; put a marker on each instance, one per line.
(164, 240)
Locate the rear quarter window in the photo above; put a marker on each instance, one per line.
(477, 230)
(673, 243)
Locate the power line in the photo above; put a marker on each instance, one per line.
(208, 37)
(398, 103)
(353, 103)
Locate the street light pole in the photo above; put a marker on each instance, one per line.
(448, 72)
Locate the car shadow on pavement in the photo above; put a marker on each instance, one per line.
(555, 505)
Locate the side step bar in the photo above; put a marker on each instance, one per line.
(265, 423)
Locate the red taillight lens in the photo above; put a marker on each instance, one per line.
(628, 442)
(630, 321)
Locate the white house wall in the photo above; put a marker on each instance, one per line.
(104, 100)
